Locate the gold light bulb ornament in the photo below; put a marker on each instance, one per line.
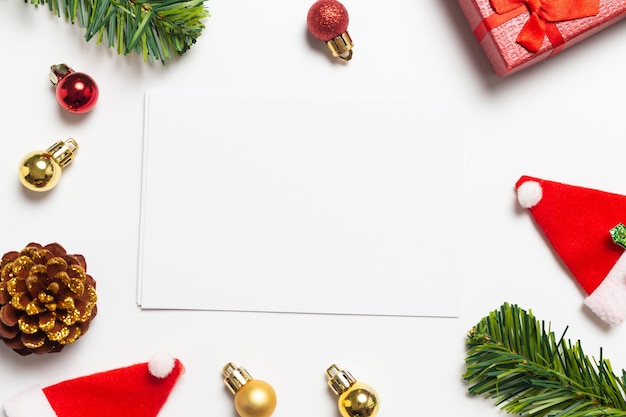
(41, 170)
(253, 397)
(356, 399)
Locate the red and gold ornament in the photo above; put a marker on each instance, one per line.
(76, 92)
(327, 20)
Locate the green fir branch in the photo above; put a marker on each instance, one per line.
(153, 28)
(513, 359)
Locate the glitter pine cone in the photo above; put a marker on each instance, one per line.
(47, 299)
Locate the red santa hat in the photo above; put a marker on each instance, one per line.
(138, 391)
(579, 224)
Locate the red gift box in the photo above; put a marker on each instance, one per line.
(518, 33)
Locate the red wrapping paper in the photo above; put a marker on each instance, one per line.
(518, 33)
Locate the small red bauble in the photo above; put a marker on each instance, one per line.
(76, 92)
(327, 20)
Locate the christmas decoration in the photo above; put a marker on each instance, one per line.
(253, 397)
(138, 390)
(153, 28)
(41, 170)
(47, 299)
(356, 399)
(516, 360)
(518, 33)
(327, 20)
(578, 223)
(76, 92)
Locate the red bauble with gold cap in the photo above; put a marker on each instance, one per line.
(76, 92)
(327, 20)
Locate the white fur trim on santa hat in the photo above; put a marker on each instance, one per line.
(529, 193)
(161, 365)
(29, 403)
(607, 301)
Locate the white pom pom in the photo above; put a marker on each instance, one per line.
(161, 365)
(529, 194)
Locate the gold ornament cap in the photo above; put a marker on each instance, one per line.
(339, 380)
(58, 72)
(341, 46)
(235, 377)
(41, 170)
(63, 151)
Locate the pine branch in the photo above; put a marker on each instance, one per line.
(515, 360)
(153, 28)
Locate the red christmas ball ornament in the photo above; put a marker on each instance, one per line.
(76, 92)
(327, 20)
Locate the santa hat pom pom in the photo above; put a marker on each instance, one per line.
(161, 365)
(529, 194)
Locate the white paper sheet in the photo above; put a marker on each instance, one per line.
(301, 205)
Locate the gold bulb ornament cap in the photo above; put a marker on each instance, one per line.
(341, 46)
(41, 170)
(356, 399)
(58, 72)
(253, 397)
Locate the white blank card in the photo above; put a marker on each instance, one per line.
(301, 205)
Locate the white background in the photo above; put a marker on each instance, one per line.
(561, 120)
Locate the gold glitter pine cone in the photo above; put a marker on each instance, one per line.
(47, 299)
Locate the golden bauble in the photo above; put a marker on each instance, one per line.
(41, 170)
(255, 399)
(360, 400)
(38, 171)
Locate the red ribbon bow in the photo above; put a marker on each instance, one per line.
(542, 21)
